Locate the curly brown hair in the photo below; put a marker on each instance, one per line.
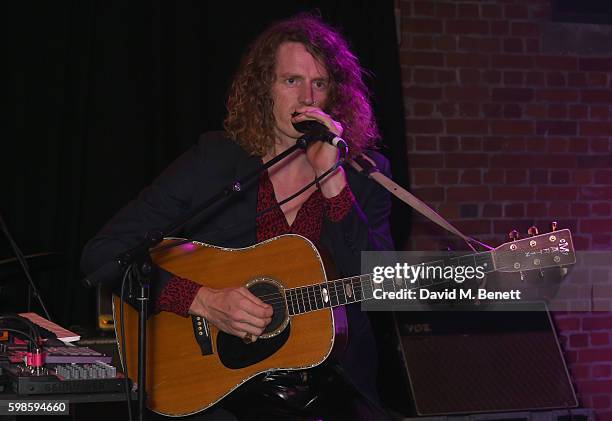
(250, 120)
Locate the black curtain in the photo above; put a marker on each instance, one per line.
(104, 94)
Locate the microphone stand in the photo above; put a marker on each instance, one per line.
(138, 258)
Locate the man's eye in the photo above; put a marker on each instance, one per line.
(320, 84)
(290, 81)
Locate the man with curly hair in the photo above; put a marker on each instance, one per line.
(298, 69)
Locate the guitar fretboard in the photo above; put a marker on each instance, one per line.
(359, 288)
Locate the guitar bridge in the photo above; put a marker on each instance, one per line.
(201, 332)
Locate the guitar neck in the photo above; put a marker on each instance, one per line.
(354, 289)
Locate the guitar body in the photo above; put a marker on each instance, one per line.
(180, 379)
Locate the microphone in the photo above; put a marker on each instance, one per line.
(316, 131)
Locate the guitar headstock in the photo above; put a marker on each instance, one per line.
(537, 252)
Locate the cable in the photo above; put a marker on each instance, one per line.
(24, 266)
(124, 365)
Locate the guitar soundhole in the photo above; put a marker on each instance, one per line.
(270, 293)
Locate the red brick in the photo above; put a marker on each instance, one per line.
(466, 160)
(599, 322)
(578, 112)
(594, 226)
(422, 42)
(600, 402)
(542, 11)
(535, 110)
(447, 109)
(478, 227)
(412, 58)
(464, 126)
(596, 193)
(599, 145)
(425, 26)
(492, 110)
(597, 79)
(600, 112)
(596, 96)
(525, 29)
(471, 177)
(424, 93)
(507, 144)
(500, 27)
(426, 160)
(490, 45)
(423, 109)
(433, 194)
(446, 43)
(467, 194)
(472, 93)
(516, 11)
(423, 177)
(600, 338)
(469, 76)
(491, 11)
(446, 76)
(523, 194)
(532, 45)
(600, 209)
(600, 371)
(603, 177)
(512, 94)
(567, 323)
(559, 209)
(537, 210)
(579, 209)
(534, 78)
(560, 177)
(557, 193)
(595, 64)
(467, 60)
(446, 10)
(579, 340)
(425, 8)
(513, 111)
(424, 76)
(480, 27)
(514, 210)
(493, 176)
(548, 128)
(556, 63)
(557, 111)
(582, 177)
(446, 177)
(513, 78)
(467, 10)
(491, 210)
(594, 161)
(516, 177)
(555, 79)
(538, 177)
(427, 125)
(557, 95)
(469, 110)
(425, 143)
(593, 355)
(595, 128)
(513, 45)
(576, 79)
(491, 76)
(511, 127)
(449, 143)
(512, 62)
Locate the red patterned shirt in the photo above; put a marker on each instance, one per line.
(178, 294)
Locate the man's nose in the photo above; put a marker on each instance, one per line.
(306, 95)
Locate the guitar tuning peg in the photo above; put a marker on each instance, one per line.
(553, 226)
(532, 231)
(514, 235)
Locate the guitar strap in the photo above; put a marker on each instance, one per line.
(366, 166)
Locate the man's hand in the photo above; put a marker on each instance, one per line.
(233, 310)
(321, 155)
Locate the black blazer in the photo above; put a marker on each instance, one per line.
(211, 165)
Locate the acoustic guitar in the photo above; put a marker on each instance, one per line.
(191, 365)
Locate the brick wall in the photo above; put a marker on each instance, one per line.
(507, 129)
